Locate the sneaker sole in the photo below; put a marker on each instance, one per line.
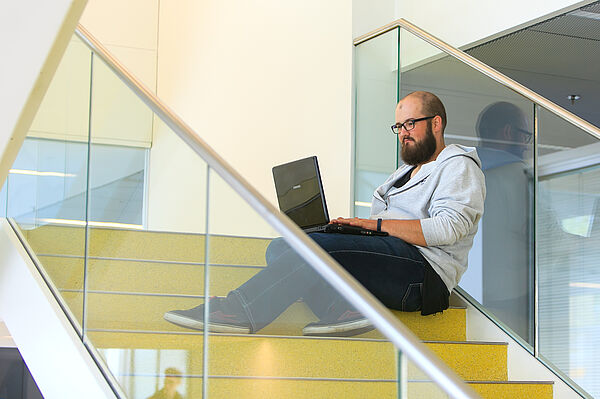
(340, 330)
(199, 325)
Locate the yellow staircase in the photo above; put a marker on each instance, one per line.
(133, 277)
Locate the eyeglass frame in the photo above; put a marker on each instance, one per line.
(528, 136)
(401, 126)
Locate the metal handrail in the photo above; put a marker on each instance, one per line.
(320, 260)
(486, 70)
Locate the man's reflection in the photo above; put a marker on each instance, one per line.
(169, 390)
(505, 152)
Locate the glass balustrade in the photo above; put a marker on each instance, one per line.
(537, 236)
(46, 186)
(376, 97)
(141, 238)
(568, 238)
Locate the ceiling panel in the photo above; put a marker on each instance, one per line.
(554, 58)
(571, 25)
(594, 7)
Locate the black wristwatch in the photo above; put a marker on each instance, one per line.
(379, 224)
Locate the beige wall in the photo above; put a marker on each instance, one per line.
(129, 31)
(32, 44)
(263, 83)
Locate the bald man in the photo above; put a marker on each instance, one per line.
(430, 207)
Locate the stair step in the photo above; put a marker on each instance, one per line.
(254, 388)
(298, 388)
(145, 313)
(136, 276)
(515, 389)
(146, 245)
(260, 388)
(145, 277)
(487, 390)
(309, 357)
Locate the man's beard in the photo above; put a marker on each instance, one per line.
(421, 152)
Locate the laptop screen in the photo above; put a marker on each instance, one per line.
(300, 192)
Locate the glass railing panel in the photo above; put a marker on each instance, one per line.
(264, 298)
(376, 64)
(568, 247)
(145, 244)
(131, 247)
(496, 121)
(45, 188)
(415, 383)
(3, 199)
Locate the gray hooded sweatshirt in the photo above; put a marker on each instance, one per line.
(447, 196)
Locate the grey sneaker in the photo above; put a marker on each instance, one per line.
(336, 324)
(222, 318)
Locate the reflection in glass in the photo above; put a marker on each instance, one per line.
(154, 373)
(505, 150)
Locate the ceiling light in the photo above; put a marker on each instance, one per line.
(573, 98)
(584, 285)
(38, 173)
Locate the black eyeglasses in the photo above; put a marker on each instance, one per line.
(409, 124)
(526, 137)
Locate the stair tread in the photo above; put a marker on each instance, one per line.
(310, 356)
(145, 313)
(135, 313)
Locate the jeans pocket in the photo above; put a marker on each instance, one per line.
(412, 299)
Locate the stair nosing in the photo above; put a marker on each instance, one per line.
(192, 333)
(169, 262)
(511, 382)
(156, 231)
(200, 333)
(71, 290)
(467, 342)
(251, 377)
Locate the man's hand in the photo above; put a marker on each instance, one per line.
(408, 230)
(364, 223)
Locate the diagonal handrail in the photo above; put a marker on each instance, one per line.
(486, 70)
(320, 260)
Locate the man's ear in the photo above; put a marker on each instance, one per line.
(507, 134)
(436, 124)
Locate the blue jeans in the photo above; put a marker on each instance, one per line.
(388, 267)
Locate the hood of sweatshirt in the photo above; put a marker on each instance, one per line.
(449, 152)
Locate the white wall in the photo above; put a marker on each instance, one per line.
(366, 17)
(129, 30)
(33, 36)
(263, 83)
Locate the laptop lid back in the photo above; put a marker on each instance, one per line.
(300, 192)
